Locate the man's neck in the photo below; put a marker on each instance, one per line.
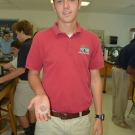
(26, 37)
(6, 40)
(68, 28)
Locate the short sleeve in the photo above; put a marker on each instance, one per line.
(96, 58)
(34, 60)
(132, 61)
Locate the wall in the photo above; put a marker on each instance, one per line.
(112, 24)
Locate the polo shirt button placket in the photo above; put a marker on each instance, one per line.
(69, 50)
(69, 47)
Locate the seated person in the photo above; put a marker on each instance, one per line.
(15, 46)
(5, 43)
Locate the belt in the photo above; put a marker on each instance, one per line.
(66, 116)
(118, 67)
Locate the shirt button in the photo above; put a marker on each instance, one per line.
(70, 48)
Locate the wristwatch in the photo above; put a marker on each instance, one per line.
(102, 117)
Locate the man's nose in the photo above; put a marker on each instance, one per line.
(66, 4)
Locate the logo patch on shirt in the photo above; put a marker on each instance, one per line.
(84, 49)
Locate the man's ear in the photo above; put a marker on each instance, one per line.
(22, 32)
(80, 2)
(53, 7)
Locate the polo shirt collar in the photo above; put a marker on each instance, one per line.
(57, 30)
(27, 39)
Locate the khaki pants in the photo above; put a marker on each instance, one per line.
(57, 126)
(23, 96)
(120, 82)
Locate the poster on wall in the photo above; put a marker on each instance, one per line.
(5, 25)
(100, 34)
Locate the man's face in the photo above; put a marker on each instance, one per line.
(6, 37)
(15, 51)
(66, 10)
(20, 36)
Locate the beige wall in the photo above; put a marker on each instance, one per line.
(114, 25)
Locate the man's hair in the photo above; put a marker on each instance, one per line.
(24, 26)
(16, 44)
(5, 32)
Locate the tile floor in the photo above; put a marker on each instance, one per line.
(109, 127)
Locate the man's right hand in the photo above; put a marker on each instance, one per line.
(38, 100)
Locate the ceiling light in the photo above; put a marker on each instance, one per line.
(83, 3)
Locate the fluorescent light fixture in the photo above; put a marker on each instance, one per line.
(83, 3)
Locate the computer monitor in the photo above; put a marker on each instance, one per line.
(113, 39)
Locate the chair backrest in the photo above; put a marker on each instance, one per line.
(133, 89)
(133, 92)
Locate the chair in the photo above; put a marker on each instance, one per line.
(6, 106)
(133, 98)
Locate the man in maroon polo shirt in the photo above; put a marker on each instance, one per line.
(70, 57)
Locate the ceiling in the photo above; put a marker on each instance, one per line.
(97, 6)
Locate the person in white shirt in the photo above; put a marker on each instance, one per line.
(15, 46)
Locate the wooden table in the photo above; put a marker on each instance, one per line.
(3, 63)
(106, 66)
(6, 87)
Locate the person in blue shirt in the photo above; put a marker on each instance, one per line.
(5, 43)
(124, 65)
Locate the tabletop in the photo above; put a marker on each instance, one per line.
(4, 85)
(7, 86)
(6, 58)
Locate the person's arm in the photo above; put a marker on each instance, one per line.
(96, 88)
(8, 66)
(40, 95)
(35, 83)
(130, 70)
(12, 75)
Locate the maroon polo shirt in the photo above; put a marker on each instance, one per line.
(66, 66)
